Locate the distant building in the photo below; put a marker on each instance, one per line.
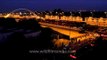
(98, 21)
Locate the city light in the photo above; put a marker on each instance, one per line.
(53, 29)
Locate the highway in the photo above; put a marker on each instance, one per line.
(63, 30)
(70, 32)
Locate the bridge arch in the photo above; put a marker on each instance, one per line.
(19, 10)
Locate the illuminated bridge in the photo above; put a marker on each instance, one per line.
(22, 13)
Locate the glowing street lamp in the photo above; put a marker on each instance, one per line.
(56, 12)
(71, 13)
(106, 14)
(91, 13)
(80, 14)
(20, 13)
(50, 12)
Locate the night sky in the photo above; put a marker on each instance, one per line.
(41, 5)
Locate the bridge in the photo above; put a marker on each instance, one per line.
(21, 15)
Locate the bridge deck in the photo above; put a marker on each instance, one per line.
(64, 30)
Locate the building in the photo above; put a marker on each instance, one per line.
(101, 21)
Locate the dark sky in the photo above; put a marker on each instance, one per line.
(40, 5)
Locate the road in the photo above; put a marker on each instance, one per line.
(63, 30)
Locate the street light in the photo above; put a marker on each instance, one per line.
(20, 13)
(80, 14)
(50, 12)
(56, 12)
(70, 30)
(91, 13)
(71, 13)
(106, 14)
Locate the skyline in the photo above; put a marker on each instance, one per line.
(42, 5)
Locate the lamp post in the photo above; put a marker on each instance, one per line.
(91, 13)
(71, 15)
(106, 14)
(70, 29)
(80, 14)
